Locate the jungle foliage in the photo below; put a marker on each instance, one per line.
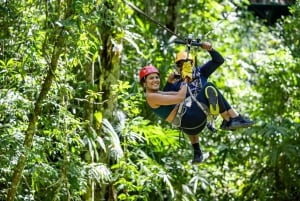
(74, 124)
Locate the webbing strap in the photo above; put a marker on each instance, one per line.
(203, 107)
(205, 110)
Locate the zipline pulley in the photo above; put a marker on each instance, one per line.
(189, 42)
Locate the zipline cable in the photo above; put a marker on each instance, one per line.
(182, 40)
(151, 19)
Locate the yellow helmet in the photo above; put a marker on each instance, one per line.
(183, 56)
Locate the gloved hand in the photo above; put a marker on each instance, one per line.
(187, 70)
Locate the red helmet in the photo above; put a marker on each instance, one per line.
(146, 70)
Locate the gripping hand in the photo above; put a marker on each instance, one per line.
(187, 70)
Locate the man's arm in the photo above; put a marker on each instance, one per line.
(216, 60)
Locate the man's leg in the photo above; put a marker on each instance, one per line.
(232, 119)
(226, 115)
(198, 157)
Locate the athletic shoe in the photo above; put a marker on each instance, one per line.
(198, 157)
(212, 96)
(240, 122)
(211, 127)
(225, 125)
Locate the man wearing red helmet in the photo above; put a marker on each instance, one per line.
(167, 105)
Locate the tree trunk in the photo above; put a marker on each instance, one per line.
(89, 116)
(171, 17)
(109, 75)
(33, 119)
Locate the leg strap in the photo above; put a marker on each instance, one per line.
(202, 106)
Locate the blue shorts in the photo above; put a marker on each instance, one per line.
(194, 119)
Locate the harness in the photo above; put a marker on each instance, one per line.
(187, 103)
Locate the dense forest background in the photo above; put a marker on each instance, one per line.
(74, 124)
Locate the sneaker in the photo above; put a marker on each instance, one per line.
(225, 125)
(240, 122)
(212, 96)
(211, 127)
(198, 157)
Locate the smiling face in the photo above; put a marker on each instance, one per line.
(152, 82)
